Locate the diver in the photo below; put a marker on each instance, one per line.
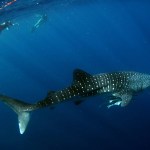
(5, 25)
(42, 19)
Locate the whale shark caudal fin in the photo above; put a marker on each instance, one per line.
(23, 120)
(22, 109)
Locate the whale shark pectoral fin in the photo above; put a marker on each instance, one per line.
(78, 102)
(126, 98)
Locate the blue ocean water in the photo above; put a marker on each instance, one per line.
(96, 36)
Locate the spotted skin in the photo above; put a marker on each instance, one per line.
(122, 85)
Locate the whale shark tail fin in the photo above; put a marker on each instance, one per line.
(21, 108)
(23, 120)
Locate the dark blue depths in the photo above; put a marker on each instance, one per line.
(96, 36)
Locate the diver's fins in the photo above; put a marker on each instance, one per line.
(21, 108)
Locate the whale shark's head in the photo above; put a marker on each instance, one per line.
(139, 81)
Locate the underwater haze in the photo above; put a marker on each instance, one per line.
(94, 35)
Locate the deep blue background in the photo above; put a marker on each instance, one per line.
(96, 37)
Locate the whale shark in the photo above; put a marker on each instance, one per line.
(121, 85)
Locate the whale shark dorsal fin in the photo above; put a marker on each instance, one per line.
(80, 75)
(50, 93)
